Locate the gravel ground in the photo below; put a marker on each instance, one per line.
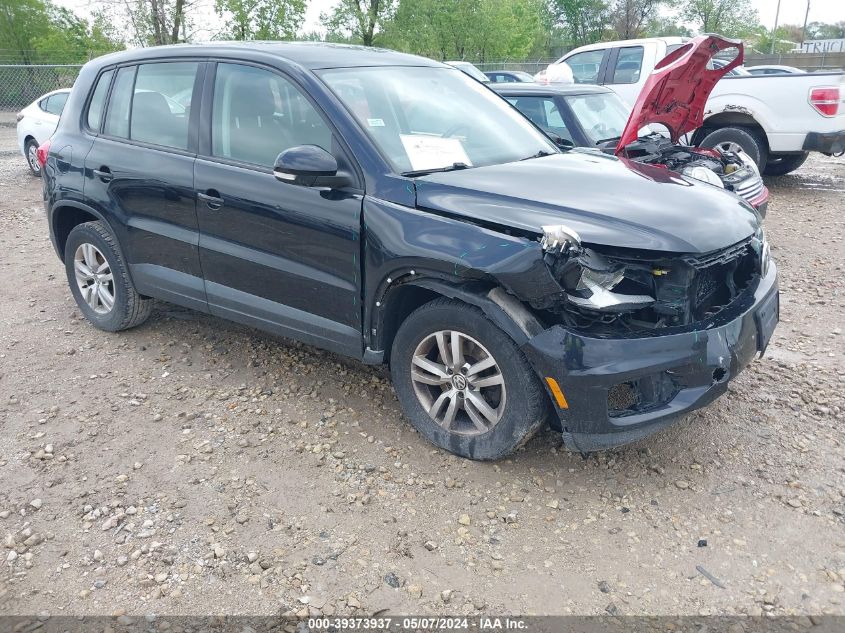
(194, 466)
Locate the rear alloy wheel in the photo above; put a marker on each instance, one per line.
(734, 139)
(31, 151)
(99, 279)
(94, 278)
(463, 383)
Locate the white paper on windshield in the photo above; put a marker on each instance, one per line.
(432, 152)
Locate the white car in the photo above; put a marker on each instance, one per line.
(37, 122)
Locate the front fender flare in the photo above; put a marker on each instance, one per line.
(505, 310)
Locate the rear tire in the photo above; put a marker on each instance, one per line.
(782, 165)
(733, 138)
(483, 413)
(99, 279)
(30, 151)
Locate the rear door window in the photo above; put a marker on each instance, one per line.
(117, 116)
(586, 66)
(629, 65)
(161, 103)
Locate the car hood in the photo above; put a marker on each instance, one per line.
(676, 92)
(606, 200)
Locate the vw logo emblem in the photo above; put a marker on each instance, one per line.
(459, 382)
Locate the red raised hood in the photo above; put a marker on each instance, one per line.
(675, 93)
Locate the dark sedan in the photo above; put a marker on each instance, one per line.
(509, 76)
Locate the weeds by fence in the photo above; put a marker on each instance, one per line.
(20, 85)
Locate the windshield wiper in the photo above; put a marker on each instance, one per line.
(539, 154)
(425, 172)
(606, 140)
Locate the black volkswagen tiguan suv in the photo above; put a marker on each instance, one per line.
(389, 208)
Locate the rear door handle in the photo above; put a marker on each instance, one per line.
(212, 199)
(103, 173)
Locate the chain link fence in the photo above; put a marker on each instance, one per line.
(20, 84)
(531, 67)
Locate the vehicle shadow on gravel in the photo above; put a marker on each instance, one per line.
(232, 341)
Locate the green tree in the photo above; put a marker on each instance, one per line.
(152, 22)
(37, 31)
(665, 26)
(786, 38)
(357, 21)
(823, 31)
(21, 23)
(581, 21)
(733, 18)
(476, 30)
(71, 40)
(260, 19)
(630, 18)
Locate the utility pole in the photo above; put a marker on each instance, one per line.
(804, 30)
(775, 30)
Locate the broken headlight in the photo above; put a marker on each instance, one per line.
(595, 285)
(590, 280)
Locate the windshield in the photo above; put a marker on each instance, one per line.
(602, 116)
(430, 118)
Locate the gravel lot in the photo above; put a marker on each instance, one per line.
(194, 466)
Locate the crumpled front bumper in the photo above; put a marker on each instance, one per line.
(618, 390)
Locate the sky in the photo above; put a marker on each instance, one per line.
(791, 11)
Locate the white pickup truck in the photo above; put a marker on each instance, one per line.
(775, 119)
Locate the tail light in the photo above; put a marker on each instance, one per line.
(42, 152)
(825, 100)
(18, 117)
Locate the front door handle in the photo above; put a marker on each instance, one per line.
(103, 173)
(212, 199)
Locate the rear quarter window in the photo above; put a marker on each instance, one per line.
(56, 103)
(94, 116)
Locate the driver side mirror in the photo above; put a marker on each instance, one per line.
(309, 166)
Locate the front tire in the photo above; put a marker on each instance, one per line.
(31, 153)
(782, 165)
(463, 383)
(99, 279)
(732, 139)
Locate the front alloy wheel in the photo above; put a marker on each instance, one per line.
(458, 382)
(463, 383)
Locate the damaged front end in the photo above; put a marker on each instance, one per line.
(623, 291)
(640, 338)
